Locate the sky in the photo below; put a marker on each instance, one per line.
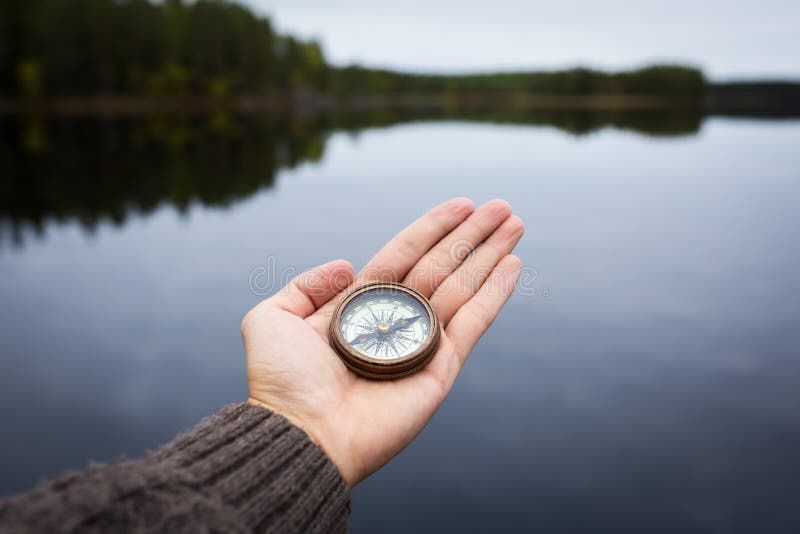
(728, 39)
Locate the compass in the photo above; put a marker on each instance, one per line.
(384, 330)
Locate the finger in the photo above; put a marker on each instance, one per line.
(450, 252)
(400, 254)
(313, 288)
(395, 259)
(474, 317)
(465, 281)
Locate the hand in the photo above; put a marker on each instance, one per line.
(361, 424)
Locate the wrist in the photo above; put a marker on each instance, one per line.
(317, 436)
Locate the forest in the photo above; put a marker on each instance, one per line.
(87, 47)
(217, 48)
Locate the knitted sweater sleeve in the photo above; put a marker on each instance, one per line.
(244, 469)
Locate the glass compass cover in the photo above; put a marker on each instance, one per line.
(385, 324)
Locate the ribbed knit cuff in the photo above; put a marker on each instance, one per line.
(264, 467)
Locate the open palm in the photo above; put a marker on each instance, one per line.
(456, 256)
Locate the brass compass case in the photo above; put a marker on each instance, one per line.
(376, 334)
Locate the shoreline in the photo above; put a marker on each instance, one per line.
(712, 102)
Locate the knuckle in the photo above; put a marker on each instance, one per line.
(481, 315)
(246, 320)
(251, 317)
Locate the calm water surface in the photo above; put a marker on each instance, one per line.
(651, 383)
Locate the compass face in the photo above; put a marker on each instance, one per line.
(384, 331)
(385, 323)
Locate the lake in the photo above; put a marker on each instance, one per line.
(647, 378)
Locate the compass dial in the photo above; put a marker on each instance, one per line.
(385, 324)
(385, 330)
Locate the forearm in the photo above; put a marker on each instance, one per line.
(244, 469)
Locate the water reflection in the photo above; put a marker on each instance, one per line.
(94, 169)
(89, 169)
(654, 390)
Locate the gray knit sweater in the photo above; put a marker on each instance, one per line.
(244, 469)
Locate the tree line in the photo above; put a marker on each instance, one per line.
(89, 47)
(657, 79)
(220, 48)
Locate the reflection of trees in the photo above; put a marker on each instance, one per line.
(92, 169)
(89, 169)
(576, 122)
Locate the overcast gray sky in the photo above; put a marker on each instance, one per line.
(727, 38)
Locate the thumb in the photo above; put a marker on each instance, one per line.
(313, 288)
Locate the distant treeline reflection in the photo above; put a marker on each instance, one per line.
(93, 169)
